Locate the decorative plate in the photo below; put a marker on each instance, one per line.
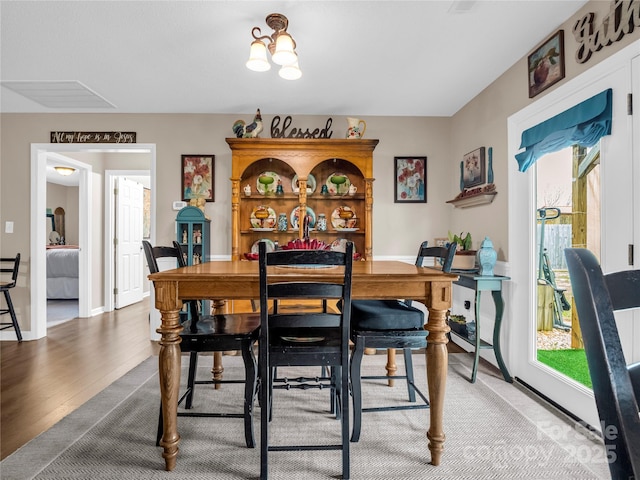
(340, 223)
(270, 245)
(340, 245)
(268, 223)
(338, 184)
(294, 218)
(54, 237)
(267, 182)
(270, 229)
(311, 183)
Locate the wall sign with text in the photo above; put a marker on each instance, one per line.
(93, 137)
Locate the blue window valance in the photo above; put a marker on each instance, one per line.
(583, 124)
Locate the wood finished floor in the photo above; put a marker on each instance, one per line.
(42, 381)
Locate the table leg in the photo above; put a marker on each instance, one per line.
(499, 303)
(476, 359)
(169, 368)
(216, 371)
(437, 361)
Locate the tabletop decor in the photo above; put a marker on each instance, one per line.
(198, 177)
(411, 180)
(546, 64)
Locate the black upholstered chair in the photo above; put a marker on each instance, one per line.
(213, 333)
(391, 324)
(616, 385)
(10, 265)
(304, 338)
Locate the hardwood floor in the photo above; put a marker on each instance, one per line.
(44, 380)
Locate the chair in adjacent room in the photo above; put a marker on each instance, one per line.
(305, 338)
(616, 385)
(213, 333)
(10, 265)
(391, 324)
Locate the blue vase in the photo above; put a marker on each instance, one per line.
(283, 224)
(487, 257)
(490, 167)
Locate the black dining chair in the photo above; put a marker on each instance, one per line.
(10, 265)
(391, 324)
(305, 338)
(212, 333)
(616, 385)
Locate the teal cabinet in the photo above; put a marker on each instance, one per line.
(193, 234)
(193, 231)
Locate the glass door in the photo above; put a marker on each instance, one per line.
(568, 198)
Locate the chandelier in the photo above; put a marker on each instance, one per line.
(281, 47)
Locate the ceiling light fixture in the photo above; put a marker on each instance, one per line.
(65, 171)
(281, 45)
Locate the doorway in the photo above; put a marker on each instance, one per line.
(616, 230)
(89, 242)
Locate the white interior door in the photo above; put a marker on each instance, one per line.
(616, 230)
(128, 243)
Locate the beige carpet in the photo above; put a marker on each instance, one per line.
(113, 435)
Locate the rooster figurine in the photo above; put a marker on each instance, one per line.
(248, 131)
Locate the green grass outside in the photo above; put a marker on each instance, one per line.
(571, 362)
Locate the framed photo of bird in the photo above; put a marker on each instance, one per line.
(198, 177)
(411, 180)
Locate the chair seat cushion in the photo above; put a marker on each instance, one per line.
(385, 315)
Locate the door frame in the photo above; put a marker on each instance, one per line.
(522, 236)
(38, 281)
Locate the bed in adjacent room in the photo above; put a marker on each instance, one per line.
(62, 271)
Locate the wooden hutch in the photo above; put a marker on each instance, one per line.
(306, 165)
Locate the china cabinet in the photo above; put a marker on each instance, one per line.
(274, 178)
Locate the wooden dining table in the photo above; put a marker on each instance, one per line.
(238, 280)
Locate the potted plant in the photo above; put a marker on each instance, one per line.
(465, 258)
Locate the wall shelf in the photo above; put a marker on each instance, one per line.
(473, 200)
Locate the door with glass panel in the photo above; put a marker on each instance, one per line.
(573, 197)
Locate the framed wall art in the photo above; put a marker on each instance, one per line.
(198, 177)
(546, 64)
(473, 168)
(411, 180)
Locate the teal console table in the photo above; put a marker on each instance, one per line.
(481, 284)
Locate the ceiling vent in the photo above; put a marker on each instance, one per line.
(59, 94)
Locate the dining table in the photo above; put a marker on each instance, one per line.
(221, 281)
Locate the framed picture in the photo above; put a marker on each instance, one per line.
(198, 177)
(546, 64)
(411, 180)
(473, 169)
(146, 213)
(440, 241)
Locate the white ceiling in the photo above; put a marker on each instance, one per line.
(358, 57)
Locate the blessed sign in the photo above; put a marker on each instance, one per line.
(277, 132)
(93, 137)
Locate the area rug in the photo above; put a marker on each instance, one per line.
(113, 435)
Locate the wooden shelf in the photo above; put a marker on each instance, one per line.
(473, 200)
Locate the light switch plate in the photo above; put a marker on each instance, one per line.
(8, 227)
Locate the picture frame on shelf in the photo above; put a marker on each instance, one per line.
(473, 168)
(410, 184)
(198, 177)
(546, 64)
(440, 241)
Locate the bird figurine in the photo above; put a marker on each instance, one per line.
(248, 131)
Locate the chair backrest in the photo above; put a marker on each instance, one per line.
(13, 269)
(299, 323)
(441, 255)
(597, 297)
(154, 253)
